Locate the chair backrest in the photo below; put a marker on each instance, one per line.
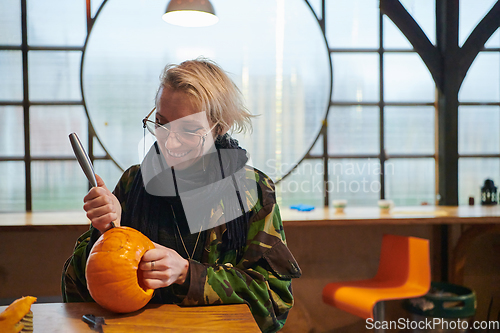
(404, 260)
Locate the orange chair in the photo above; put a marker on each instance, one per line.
(403, 272)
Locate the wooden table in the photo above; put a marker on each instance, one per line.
(398, 215)
(352, 215)
(442, 216)
(36, 220)
(67, 318)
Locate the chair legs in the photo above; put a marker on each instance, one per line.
(378, 316)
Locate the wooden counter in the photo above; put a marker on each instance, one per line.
(400, 215)
(67, 317)
(43, 219)
(442, 216)
(319, 216)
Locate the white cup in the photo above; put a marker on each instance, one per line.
(339, 205)
(385, 205)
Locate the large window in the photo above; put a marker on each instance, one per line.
(381, 122)
(479, 120)
(337, 87)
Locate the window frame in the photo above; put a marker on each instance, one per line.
(444, 178)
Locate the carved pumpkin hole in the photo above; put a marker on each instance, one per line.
(140, 279)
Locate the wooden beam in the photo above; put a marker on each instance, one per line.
(405, 22)
(447, 41)
(478, 37)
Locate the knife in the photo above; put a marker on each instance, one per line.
(84, 160)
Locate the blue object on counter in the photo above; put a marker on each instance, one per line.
(302, 207)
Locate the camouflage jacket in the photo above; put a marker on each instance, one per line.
(259, 277)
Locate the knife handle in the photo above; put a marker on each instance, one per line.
(83, 159)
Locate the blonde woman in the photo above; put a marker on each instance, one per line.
(214, 220)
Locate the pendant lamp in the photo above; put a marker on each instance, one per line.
(190, 13)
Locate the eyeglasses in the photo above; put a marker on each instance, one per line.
(191, 139)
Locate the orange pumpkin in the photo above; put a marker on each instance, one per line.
(112, 272)
(10, 318)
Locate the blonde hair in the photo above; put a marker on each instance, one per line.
(212, 91)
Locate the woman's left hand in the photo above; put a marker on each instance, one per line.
(162, 266)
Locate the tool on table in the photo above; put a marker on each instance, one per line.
(94, 322)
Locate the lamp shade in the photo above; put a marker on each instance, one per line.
(190, 13)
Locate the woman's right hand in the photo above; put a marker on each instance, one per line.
(102, 207)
